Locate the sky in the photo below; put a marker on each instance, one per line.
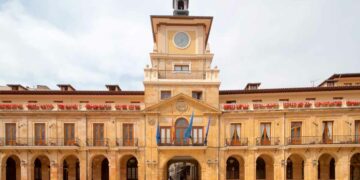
(90, 43)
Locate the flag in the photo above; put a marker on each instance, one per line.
(158, 136)
(188, 130)
(207, 131)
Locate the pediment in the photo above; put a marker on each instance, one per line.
(182, 104)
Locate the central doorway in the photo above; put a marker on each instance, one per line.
(183, 168)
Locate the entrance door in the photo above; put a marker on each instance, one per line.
(40, 134)
(69, 134)
(98, 134)
(128, 134)
(183, 168)
(180, 127)
(10, 133)
(132, 169)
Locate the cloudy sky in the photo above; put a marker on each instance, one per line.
(90, 43)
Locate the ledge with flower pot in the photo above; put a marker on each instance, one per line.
(68, 107)
(233, 107)
(128, 107)
(268, 106)
(325, 104)
(11, 107)
(99, 107)
(353, 103)
(295, 105)
(35, 107)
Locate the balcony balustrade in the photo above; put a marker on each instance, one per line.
(181, 142)
(315, 140)
(39, 142)
(127, 142)
(271, 141)
(152, 74)
(97, 142)
(236, 142)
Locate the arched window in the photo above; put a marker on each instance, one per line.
(332, 169)
(10, 169)
(180, 127)
(37, 169)
(289, 169)
(65, 171)
(232, 168)
(260, 168)
(105, 170)
(132, 169)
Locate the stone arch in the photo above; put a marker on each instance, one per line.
(265, 167)
(99, 167)
(124, 170)
(40, 167)
(355, 166)
(326, 166)
(182, 166)
(11, 167)
(232, 172)
(70, 167)
(295, 166)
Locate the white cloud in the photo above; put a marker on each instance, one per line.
(90, 43)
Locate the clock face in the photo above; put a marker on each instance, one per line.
(181, 40)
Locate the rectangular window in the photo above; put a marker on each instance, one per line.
(10, 134)
(296, 132)
(338, 98)
(310, 99)
(98, 134)
(40, 139)
(327, 132)
(235, 131)
(283, 100)
(257, 100)
(165, 95)
(128, 134)
(181, 68)
(69, 134)
(197, 133)
(231, 102)
(265, 133)
(197, 95)
(357, 131)
(165, 135)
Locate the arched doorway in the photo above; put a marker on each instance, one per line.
(326, 167)
(355, 167)
(264, 167)
(71, 168)
(132, 169)
(41, 168)
(295, 167)
(183, 168)
(235, 168)
(100, 168)
(180, 126)
(12, 168)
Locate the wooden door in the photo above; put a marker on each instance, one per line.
(10, 133)
(235, 134)
(180, 128)
(128, 134)
(40, 134)
(265, 134)
(296, 132)
(327, 135)
(98, 134)
(69, 134)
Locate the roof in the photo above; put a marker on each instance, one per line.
(286, 90)
(56, 92)
(336, 76)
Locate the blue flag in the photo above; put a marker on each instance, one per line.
(188, 130)
(158, 136)
(207, 131)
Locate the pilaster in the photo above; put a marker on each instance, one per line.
(24, 170)
(342, 167)
(310, 169)
(54, 169)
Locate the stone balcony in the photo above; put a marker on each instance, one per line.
(209, 75)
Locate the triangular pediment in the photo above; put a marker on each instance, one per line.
(182, 104)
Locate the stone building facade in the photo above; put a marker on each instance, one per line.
(252, 133)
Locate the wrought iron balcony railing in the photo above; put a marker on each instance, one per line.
(181, 142)
(314, 140)
(39, 142)
(271, 141)
(97, 142)
(236, 142)
(127, 142)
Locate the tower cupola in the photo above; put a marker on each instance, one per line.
(181, 7)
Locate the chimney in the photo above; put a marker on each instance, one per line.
(112, 87)
(252, 86)
(66, 87)
(17, 87)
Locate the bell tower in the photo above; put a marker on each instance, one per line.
(181, 7)
(181, 61)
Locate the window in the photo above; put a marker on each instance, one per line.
(310, 99)
(58, 101)
(165, 135)
(83, 101)
(357, 131)
(330, 84)
(181, 68)
(98, 134)
(10, 134)
(296, 132)
(231, 102)
(197, 94)
(128, 134)
(283, 100)
(40, 134)
(235, 134)
(7, 101)
(257, 100)
(265, 133)
(165, 95)
(32, 101)
(327, 129)
(197, 135)
(69, 134)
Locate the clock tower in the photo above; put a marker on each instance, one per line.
(181, 58)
